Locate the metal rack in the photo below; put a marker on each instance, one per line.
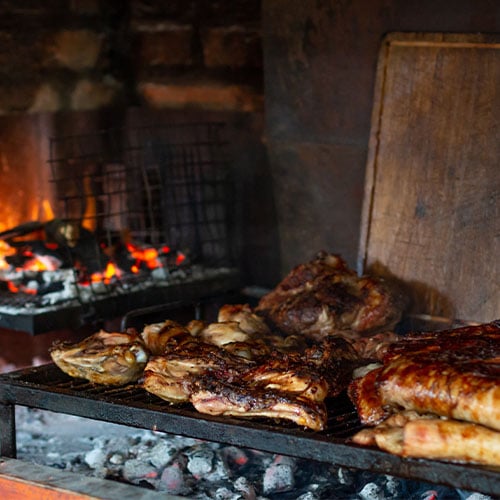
(48, 388)
(166, 187)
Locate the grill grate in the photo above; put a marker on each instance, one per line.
(46, 387)
(165, 185)
(168, 187)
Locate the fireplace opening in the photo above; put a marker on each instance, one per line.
(141, 216)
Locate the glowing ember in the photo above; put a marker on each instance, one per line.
(148, 256)
(106, 276)
(5, 251)
(33, 249)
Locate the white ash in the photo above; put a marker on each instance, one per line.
(371, 491)
(73, 294)
(198, 469)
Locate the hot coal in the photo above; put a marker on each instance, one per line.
(199, 469)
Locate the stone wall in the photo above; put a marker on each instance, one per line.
(90, 54)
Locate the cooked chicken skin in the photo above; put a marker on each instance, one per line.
(159, 336)
(103, 358)
(425, 436)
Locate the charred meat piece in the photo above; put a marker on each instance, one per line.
(335, 360)
(324, 296)
(285, 375)
(215, 397)
(172, 375)
(374, 347)
(219, 382)
(103, 358)
(475, 343)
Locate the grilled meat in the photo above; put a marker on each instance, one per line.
(247, 319)
(289, 386)
(374, 347)
(324, 296)
(172, 375)
(240, 330)
(451, 440)
(159, 337)
(409, 434)
(216, 397)
(463, 391)
(454, 374)
(103, 358)
(363, 392)
(220, 334)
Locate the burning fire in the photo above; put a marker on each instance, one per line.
(21, 256)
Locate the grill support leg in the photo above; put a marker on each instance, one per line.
(7, 430)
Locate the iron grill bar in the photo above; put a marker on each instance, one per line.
(47, 388)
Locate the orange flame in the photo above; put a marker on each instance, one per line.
(105, 277)
(5, 251)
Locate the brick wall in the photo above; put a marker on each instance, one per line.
(90, 54)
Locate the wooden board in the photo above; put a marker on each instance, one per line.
(431, 214)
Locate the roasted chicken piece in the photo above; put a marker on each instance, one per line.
(159, 337)
(172, 375)
(103, 358)
(324, 297)
(220, 334)
(239, 330)
(410, 434)
(288, 386)
(247, 319)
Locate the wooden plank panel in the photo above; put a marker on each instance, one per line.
(431, 215)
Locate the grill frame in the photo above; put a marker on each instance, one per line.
(47, 388)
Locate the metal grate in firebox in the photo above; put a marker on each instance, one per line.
(167, 185)
(142, 216)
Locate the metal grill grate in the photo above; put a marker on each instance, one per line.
(167, 185)
(46, 387)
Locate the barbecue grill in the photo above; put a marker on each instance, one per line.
(416, 227)
(47, 388)
(167, 188)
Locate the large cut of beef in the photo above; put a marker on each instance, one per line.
(324, 296)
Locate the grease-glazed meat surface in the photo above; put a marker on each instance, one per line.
(453, 373)
(215, 397)
(323, 296)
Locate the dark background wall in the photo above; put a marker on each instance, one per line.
(294, 78)
(319, 67)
